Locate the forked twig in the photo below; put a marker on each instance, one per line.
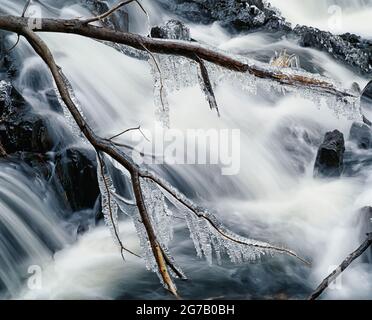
(112, 10)
(109, 12)
(127, 130)
(18, 36)
(161, 88)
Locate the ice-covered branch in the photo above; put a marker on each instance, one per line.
(108, 12)
(205, 229)
(187, 49)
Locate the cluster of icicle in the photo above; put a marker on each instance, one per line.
(108, 201)
(179, 72)
(209, 236)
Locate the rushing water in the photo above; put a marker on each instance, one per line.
(274, 197)
(337, 16)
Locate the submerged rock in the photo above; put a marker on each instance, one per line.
(360, 133)
(329, 159)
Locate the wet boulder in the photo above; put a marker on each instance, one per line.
(235, 16)
(348, 48)
(173, 29)
(76, 177)
(329, 159)
(21, 129)
(360, 133)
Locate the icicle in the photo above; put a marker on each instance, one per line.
(160, 93)
(345, 106)
(109, 205)
(146, 251)
(175, 73)
(160, 216)
(210, 236)
(66, 112)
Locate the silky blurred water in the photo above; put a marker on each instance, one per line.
(274, 197)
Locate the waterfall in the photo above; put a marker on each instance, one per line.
(30, 229)
(337, 16)
(273, 197)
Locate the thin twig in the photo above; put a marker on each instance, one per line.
(206, 84)
(18, 36)
(108, 192)
(109, 12)
(127, 130)
(348, 260)
(13, 46)
(161, 88)
(25, 8)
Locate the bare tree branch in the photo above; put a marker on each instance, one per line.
(176, 47)
(19, 25)
(348, 260)
(26, 7)
(155, 246)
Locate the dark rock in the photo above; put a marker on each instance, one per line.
(252, 15)
(41, 163)
(53, 101)
(173, 29)
(349, 48)
(329, 160)
(75, 171)
(236, 16)
(360, 133)
(33, 139)
(22, 129)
